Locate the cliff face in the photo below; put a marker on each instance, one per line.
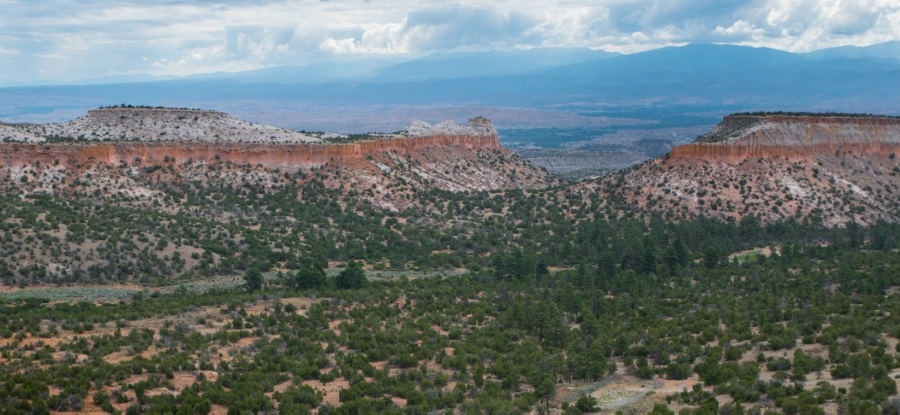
(388, 173)
(794, 138)
(287, 157)
(831, 169)
(445, 156)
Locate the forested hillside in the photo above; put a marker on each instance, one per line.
(809, 327)
(553, 310)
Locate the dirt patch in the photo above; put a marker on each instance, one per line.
(183, 380)
(218, 410)
(245, 342)
(331, 391)
(400, 402)
(333, 326)
(302, 303)
(281, 387)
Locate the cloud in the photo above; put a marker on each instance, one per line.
(740, 29)
(258, 42)
(452, 28)
(61, 41)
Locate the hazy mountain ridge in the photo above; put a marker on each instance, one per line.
(683, 76)
(653, 87)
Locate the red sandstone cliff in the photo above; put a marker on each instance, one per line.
(794, 138)
(833, 169)
(157, 135)
(288, 157)
(198, 144)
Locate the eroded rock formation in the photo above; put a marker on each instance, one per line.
(794, 138)
(833, 169)
(287, 157)
(178, 135)
(386, 171)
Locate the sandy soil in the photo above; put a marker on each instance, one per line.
(331, 391)
(218, 410)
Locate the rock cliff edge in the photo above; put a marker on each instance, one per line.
(793, 137)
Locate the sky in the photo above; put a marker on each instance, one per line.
(58, 41)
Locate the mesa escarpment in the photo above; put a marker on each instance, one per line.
(833, 169)
(792, 137)
(287, 157)
(138, 136)
(385, 170)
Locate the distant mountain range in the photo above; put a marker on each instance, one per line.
(698, 77)
(887, 50)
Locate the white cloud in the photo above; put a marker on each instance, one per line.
(389, 39)
(58, 40)
(741, 28)
(805, 25)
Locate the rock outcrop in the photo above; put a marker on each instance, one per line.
(478, 126)
(209, 136)
(833, 169)
(793, 138)
(446, 156)
(287, 157)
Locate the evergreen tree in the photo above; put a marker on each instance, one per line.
(351, 277)
(253, 280)
(309, 277)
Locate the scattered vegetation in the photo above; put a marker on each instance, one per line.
(260, 291)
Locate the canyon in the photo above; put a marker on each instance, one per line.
(828, 168)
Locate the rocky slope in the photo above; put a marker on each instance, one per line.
(16, 133)
(386, 171)
(830, 168)
(739, 137)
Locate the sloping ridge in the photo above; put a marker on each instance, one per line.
(387, 172)
(832, 169)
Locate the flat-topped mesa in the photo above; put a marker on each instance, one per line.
(15, 133)
(166, 124)
(478, 126)
(793, 137)
(287, 156)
